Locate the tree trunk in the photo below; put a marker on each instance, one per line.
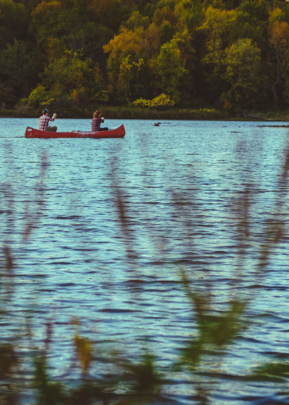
(274, 90)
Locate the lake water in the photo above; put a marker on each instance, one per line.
(182, 186)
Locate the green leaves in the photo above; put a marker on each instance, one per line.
(18, 67)
(145, 374)
(49, 393)
(242, 64)
(160, 101)
(170, 69)
(13, 22)
(69, 79)
(214, 330)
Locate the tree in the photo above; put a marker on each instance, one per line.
(252, 21)
(170, 69)
(242, 73)
(218, 28)
(278, 44)
(72, 23)
(13, 22)
(125, 63)
(19, 68)
(136, 20)
(131, 80)
(69, 80)
(165, 14)
(110, 13)
(44, 21)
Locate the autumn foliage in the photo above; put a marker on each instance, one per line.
(73, 54)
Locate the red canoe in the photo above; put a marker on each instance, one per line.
(110, 133)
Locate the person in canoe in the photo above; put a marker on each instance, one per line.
(44, 121)
(96, 122)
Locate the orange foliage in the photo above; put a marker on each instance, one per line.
(126, 42)
(279, 35)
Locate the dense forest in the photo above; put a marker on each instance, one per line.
(232, 54)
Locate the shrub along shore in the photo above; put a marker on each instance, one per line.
(170, 113)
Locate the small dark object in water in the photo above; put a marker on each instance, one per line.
(157, 124)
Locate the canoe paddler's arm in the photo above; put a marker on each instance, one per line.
(54, 116)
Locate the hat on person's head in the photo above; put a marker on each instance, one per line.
(46, 110)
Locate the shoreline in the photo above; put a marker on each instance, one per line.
(188, 114)
(175, 119)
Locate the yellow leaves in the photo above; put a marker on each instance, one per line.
(275, 14)
(158, 51)
(123, 46)
(179, 9)
(45, 7)
(182, 11)
(220, 26)
(36, 95)
(162, 101)
(279, 35)
(126, 42)
(84, 352)
(218, 20)
(127, 66)
(47, 102)
(183, 41)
